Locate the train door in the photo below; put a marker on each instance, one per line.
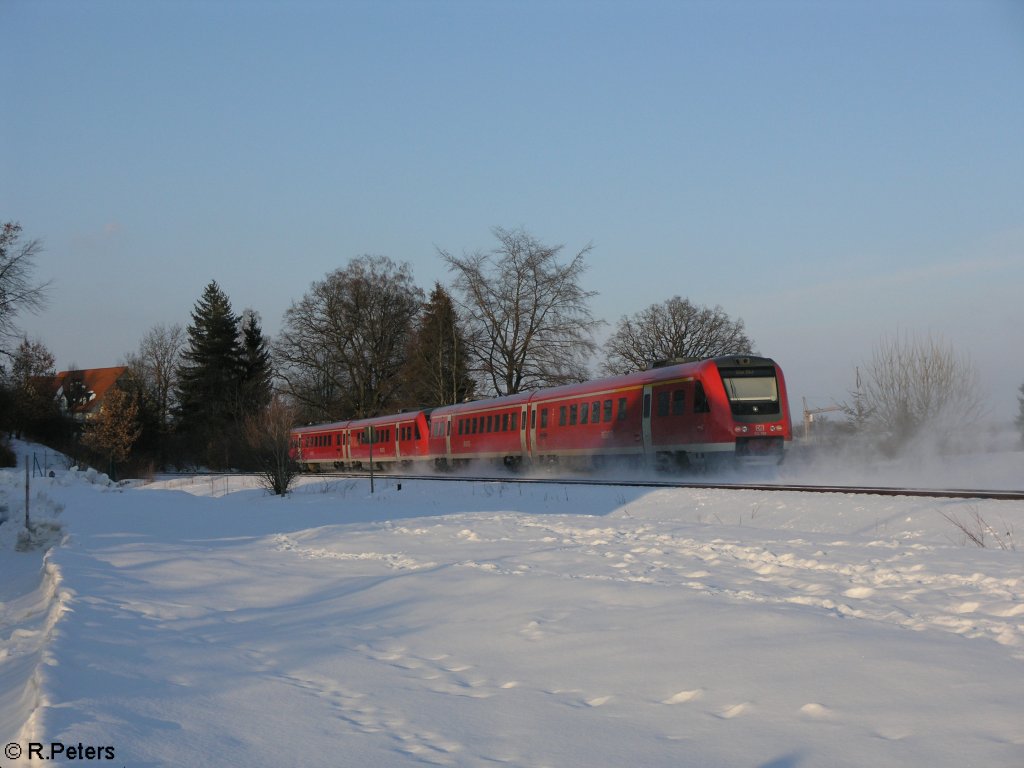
(532, 436)
(524, 443)
(646, 426)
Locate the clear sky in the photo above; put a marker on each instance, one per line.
(830, 172)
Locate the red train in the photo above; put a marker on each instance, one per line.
(701, 413)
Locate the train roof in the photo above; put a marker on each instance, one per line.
(389, 418)
(650, 376)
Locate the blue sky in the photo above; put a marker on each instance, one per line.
(830, 172)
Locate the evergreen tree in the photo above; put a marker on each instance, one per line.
(257, 372)
(437, 370)
(209, 377)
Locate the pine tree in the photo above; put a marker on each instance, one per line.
(209, 377)
(257, 372)
(437, 363)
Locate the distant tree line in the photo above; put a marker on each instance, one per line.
(366, 340)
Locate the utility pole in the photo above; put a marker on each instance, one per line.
(810, 413)
(27, 528)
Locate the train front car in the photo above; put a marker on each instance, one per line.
(748, 408)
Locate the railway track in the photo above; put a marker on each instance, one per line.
(946, 493)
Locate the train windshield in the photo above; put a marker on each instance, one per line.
(751, 390)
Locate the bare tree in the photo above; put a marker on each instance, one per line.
(155, 366)
(917, 387)
(527, 320)
(268, 435)
(18, 291)
(342, 347)
(1019, 421)
(674, 329)
(34, 410)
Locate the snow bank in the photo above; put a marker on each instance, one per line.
(203, 622)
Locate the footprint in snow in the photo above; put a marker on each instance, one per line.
(683, 696)
(734, 711)
(816, 711)
(859, 593)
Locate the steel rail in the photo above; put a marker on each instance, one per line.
(946, 493)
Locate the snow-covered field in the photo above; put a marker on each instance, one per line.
(202, 622)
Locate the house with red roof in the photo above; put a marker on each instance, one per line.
(80, 394)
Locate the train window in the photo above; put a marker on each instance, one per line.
(449, 428)
(678, 402)
(561, 416)
(647, 405)
(607, 410)
(584, 413)
(533, 418)
(700, 399)
(663, 403)
(504, 423)
(515, 421)
(573, 410)
(596, 410)
(622, 409)
(544, 418)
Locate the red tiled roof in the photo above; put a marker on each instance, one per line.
(95, 381)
